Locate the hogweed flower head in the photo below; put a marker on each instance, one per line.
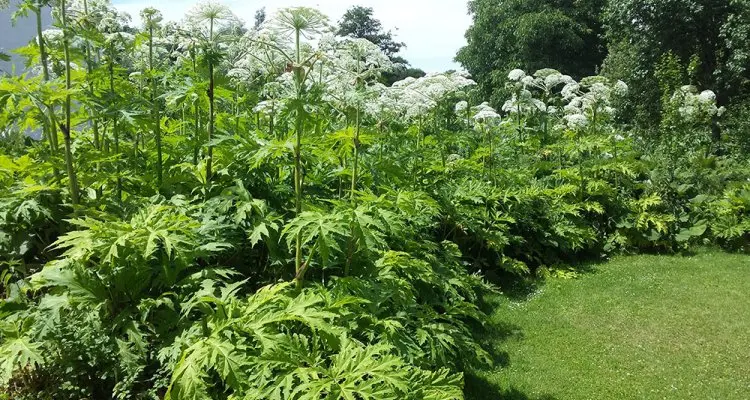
(693, 106)
(516, 75)
(309, 22)
(485, 113)
(461, 106)
(576, 121)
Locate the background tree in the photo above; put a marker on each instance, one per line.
(531, 34)
(260, 18)
(705, 39)
(359, 22)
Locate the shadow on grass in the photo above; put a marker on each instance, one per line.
(514, 288)
(519, 288)
(478, 388)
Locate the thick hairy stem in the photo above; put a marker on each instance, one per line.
(48, 130)
(72, 178)
(350, 247)
(580, 168)
(491, 157)
(306, 264)
(415, 170)
(298, 200)
(156, 118)
(115, 132)
(355, 170)
(210, 156)
(89, 70)
(196, 133)
(271, 123)
(355, 167)
(237, 113)
(299, 123)
(382, 144)
(98, 141)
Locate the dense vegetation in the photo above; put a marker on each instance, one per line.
(215, 211)
(656, 46)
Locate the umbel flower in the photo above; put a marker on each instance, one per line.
(209, 18)
(591, 100)
(358, 57)
(516, 75)
(694, 106)
(523, 102)
(309, 22)
(576, 121)
(385, 106)
(420, 96)
(113, 21)
(484, 113)
(461, 107)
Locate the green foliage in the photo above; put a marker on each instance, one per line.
(242, 214)
(531, 35)
(703, 34)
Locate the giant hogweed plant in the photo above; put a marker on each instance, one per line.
(136, 273)
(215, 212)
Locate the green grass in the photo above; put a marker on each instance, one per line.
(644, 327)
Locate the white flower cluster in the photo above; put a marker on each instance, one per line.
(385, 106)
(268, 107)
(78, 13)
(345, 68)
(151, 18)
(461, 107)
(546, 80)
(531, 92)
(160, 52)
(53, 36)
(523, 102)
(113, 21)
(420, 96)
(350, 66)
(591, 99)
(576, 121)
(286, 22)
(516, 75)
(271, 52)
(209, 17)
(483, 113)
(258, 57)
(694, 106)
(356, 57)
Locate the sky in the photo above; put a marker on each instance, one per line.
(433, 30)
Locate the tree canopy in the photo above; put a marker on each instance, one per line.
(704, 42)
(655, 45)
(360, 22)
(531, 35)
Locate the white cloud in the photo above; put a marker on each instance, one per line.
(432, 29)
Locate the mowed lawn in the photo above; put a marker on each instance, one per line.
(642, 327)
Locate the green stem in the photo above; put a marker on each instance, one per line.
(72, 178)
(48, 130)
(115, 133)
(155, 112)
(355, 167)
(211, 83)
(299, 123)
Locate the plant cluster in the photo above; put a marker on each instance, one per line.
(222, 212)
